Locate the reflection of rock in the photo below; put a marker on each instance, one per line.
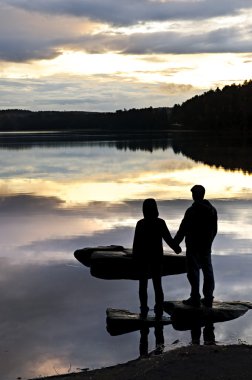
(116, 262)
(120, 321)
(184, 317)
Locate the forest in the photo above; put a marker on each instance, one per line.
(227, 109)
(146, 119)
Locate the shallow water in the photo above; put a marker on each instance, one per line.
(57, 198)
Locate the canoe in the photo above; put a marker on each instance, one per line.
(116, 262)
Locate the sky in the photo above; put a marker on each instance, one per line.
(105, 55)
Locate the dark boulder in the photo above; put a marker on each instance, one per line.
(116, 262)
(120, 321)
(184, 317)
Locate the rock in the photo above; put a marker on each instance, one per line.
(120, 321)
(116, 262)
(184, 317)
(83, 255)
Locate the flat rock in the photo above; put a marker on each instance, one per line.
(116, 262)
(121, 321)
(83, 255)
(183, 316)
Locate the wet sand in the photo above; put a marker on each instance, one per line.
(194, 362)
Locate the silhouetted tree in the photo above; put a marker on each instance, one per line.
(227, 109)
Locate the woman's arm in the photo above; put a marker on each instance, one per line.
(168, 239)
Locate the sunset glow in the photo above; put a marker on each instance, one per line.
(118, 59)
(172, 184)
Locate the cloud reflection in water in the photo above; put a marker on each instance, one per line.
(53, 311)
(53, 314)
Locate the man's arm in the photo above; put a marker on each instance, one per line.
(169, 240)
(215, 224)
(182, 229)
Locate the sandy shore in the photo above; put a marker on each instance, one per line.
(193, 362)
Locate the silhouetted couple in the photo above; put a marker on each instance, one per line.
(198, 227)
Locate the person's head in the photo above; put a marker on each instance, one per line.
(150, 209)
(198, 192)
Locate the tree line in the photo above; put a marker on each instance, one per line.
(227, 109)
(145, 119)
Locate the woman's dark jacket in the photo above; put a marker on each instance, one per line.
(149, 233)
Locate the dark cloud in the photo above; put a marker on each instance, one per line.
(25, 204)
(31, 36)
(21, 50)
(132, 12)
(217, 41)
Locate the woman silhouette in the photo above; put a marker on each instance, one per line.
(148, 255)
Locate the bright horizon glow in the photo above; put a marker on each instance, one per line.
(68, 59)
(202, 71)
(175, 184)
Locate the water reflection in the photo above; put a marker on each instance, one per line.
(53, 315)
(132, 141)
(207, 331)
(219, 150)
(231, 152)
(54, 200)
(199, 321)
(78, 175)
(41, 225)
(144, 342)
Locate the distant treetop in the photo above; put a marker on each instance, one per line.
(222, 109)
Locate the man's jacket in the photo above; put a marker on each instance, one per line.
(198, 227)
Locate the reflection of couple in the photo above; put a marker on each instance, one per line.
(198, 227)
(196, 331)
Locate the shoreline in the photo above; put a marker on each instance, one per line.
(195, 362)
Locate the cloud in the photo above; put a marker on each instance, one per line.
(223, 40)
(20, 50)
(229, 39)
(37, 30)
(46, 325)
(132, 12)
(99, 93)
(42, 42)
(28, 36)
(47, 313)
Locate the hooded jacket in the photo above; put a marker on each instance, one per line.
(150, 233)
(148, 239)
(198, 227)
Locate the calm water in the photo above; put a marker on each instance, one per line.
(57, 198)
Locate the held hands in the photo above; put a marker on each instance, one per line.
(178, 250)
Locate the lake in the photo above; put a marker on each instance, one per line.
(59, 195)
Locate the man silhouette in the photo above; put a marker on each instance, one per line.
(199, 227)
